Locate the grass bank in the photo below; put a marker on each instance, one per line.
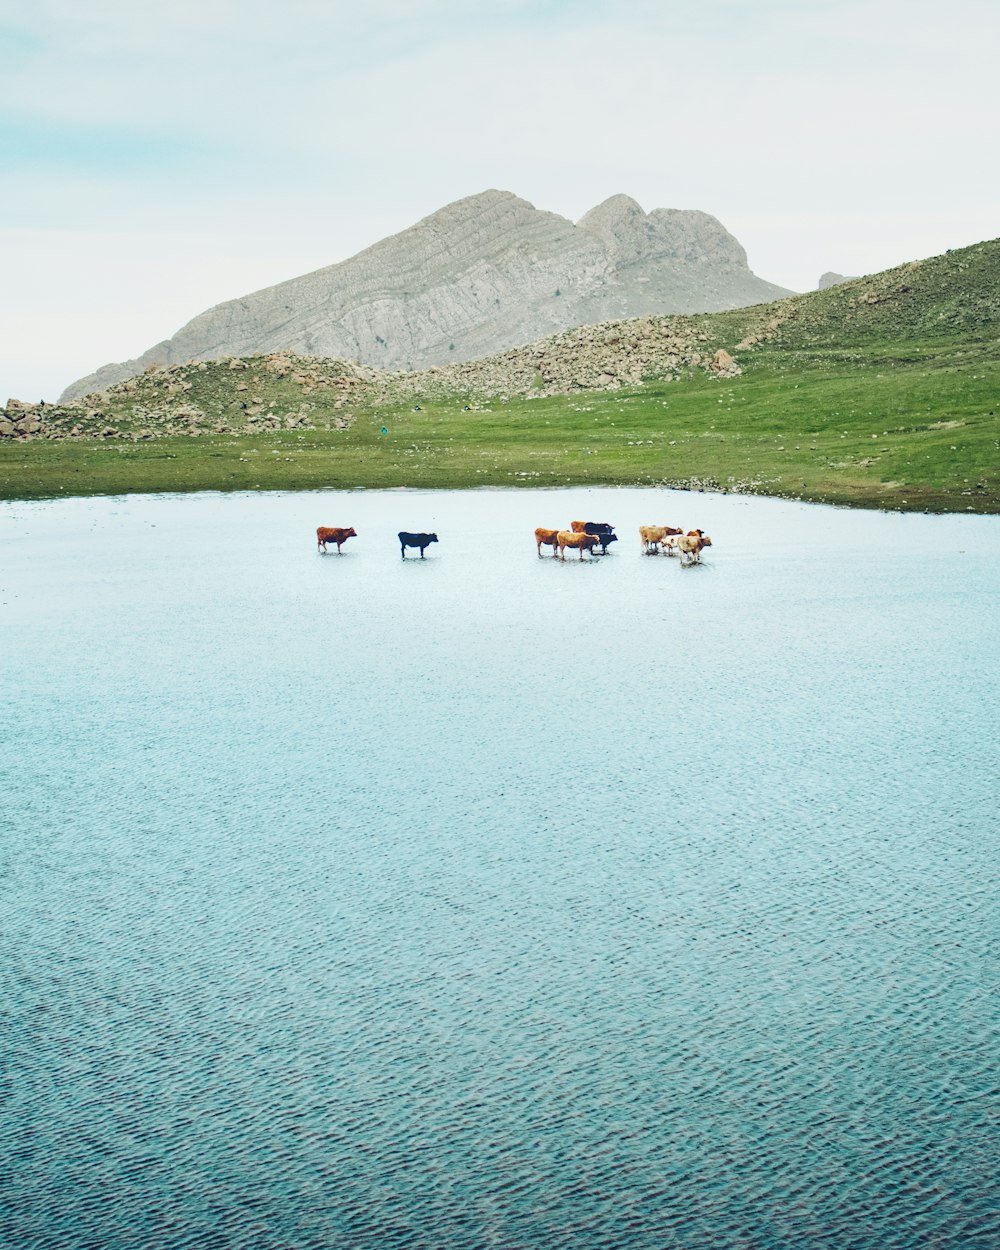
(914, 427)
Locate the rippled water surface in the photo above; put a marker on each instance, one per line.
(485, 901)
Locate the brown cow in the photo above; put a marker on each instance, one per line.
(653, 535)
(582, 542)
(547, 538)
(333, 534)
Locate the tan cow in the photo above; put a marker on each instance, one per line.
(653, 535)
(670, 542)
(581, 542)
(547, 538)
(691, 545)
(333, 534)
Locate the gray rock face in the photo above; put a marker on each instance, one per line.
(479, 276)
(832, 279)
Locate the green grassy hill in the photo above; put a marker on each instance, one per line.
(881, 392)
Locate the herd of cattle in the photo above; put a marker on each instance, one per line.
(581, 536)
(588, 535)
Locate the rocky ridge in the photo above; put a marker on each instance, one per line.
(282, 391)
(478, 277)
(956, 295)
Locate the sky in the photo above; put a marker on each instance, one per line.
(159, 158)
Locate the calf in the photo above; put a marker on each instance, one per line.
(333, 534)
(582, 542)
(653, 535)
(415, 540)
(547, 538)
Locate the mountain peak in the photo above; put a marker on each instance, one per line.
(615, 207)
(482, 199)
(482, 274)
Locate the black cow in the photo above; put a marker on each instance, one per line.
(415, 540)
(606, 531)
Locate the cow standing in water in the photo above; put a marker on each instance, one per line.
(423, 541)
(547, 538)
(333, 534)
(653, 535)
(605, 532)
(689, 546)
(578, 542)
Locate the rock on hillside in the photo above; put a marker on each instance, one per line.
(475, 278)
(830, 278)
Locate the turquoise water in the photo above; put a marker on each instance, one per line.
(487, 901)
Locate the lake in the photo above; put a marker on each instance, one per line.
(494, 901)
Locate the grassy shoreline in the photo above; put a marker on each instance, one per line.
(903, 431)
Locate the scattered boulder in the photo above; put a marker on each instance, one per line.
(832, 279)
(724, 365)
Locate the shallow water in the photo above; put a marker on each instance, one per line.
(490, 901)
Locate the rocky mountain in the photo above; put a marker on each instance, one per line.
(479, 276)
(947, 308)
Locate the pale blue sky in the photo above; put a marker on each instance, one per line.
(160, 158)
